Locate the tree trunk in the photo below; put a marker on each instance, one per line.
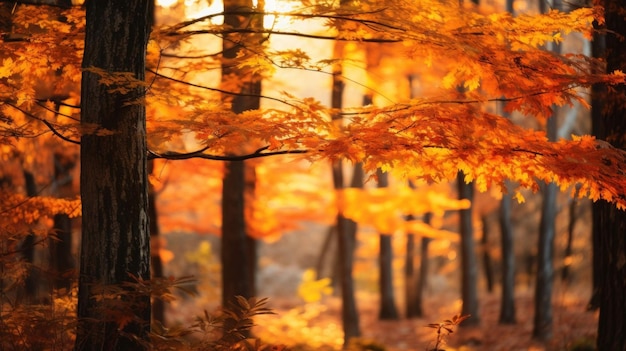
(346, 228)
(484, 244)
(60, 247)
(507, 301)
(542, 326)
(566, 275)
(388, 308)
(469, 274)
(612, 222)
(238, 253)
(115, 246)
(28, 246)
(507, 305)
(409, 275)
(158, 306)
(421, 280)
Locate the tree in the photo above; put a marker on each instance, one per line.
(115, 245)
(469, 264)
(507, 301)
(388, 309)
(238, 248)
(542, 327)
(612, 220)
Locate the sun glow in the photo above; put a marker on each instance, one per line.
(278, 7)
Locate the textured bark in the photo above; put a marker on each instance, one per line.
(469, 265)
(115, 244)
(238, 253)
(611, 221)
(388, 309)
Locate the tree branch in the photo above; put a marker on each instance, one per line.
(170, 155)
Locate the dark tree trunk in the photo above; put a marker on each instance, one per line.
(507, 305)
(409, 275)
(61, 259)
(115, 246)
(542, 326)
(388, 309)
(28, 246)
(238, 249)
(487, 265)
(566, 275)
(346, 228)
(507, 301)
(611, 221)
(421, 280)
(158, 306)
(469, 266)
(346, 242)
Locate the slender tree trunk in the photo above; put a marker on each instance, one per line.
(421, 280)
(410, 275)
(388, 309)
(238, 250)
(158, 306)
(567, 256)
(469, 266)
(484, 244)
(346, 228)
(507, 301)
(507, 305)
(542, 327)
(60, 247)
(115, 246)
(611, 221)
(28, 246)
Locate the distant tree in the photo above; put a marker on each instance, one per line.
(115, 245)
(238, 255)
(469, 262)
(388, 309)
(542, 327)
(507, 301)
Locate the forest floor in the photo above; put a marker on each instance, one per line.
(319, 327)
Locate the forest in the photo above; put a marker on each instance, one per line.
(312, 175)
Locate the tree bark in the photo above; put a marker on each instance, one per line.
(238, 253)
(115, 246)
(484, 244)
(158, 306)
(611, 221)
(388, 309)
(507, 305)
(542, 326)
(469, 266)
(60, 247)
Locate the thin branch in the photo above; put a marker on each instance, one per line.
(273, 32)
(217, 89)
(199, 154)
(48, 124)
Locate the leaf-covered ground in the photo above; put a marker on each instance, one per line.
(319, 327)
